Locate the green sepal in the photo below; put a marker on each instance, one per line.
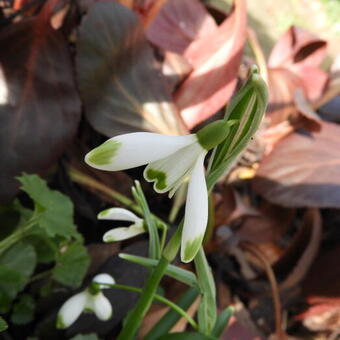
(214, 133)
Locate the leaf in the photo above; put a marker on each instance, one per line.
(3, 324)
(39, 105)
(216, 59)
(178, 23)
(119, 79)
(302, 170)
(207, 309)
(222, 321)
(186, 336)
(71, 265)
(21, 257)
(175, 272)
(23, 310)
(167, 322)
(55, 210)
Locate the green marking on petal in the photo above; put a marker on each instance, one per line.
(191, 249)
(103, 154)
(109, 239)
(88, 310)
(104, 212)
(158, 176)
(60, 322)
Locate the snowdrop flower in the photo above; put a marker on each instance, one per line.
(122, 233)
(90, 300)
(171, 160)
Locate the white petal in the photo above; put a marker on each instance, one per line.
(170, 172)
(123, 233)
(71, 309)
(104, 278)
(102, 307)
(118, 214)
(135, 149)
(196, 212)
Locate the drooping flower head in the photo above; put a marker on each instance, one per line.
(171, 160)
(121, 233)
(90, 300)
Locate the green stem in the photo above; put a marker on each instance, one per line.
(135, 318)
(16, 236)
(161, 299)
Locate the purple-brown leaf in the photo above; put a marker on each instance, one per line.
(303, 170)
(39, 105)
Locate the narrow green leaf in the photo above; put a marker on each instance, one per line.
(72, 265)
(175, 272)
(186, 336)
(23, 310)
(3, 324)
(171, 317)
(207, 309)
(54, 209)
(222, 321)
(154, 244)
(248, 108)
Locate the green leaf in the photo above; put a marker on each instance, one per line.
(90, 336)
(54, 209)
(21, 257)
(175, 272)
(72, 265)
(154, 244)
(11, 282)
(207, 309)
(3, 324)
(247, 107)
(23, 310)
(222, 321)
(164, 325)
(186, 336)
(44, 246)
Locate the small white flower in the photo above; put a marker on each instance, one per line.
(171, 160)
(89, 300)
(121, 233)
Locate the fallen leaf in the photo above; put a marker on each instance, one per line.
(216, 59)
(179, 23)
(302, 170)
(301, 253)
(39, 105)
(119, 79)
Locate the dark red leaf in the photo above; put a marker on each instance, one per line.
(178, 23)
(216, 59)
(119, 79)
(39, 105)
(303, 170)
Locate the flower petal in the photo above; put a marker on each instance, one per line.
(170, 171)
(123, 233)
(71, 309)
(196, 212)
(118, 214)
(102, 307)
(135, 149)
(104, 278)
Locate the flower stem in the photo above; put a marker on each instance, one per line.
(135, 318)
(161, 299)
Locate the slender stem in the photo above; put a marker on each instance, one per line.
(16, 236)
(274, 286)
(135, 318)
(162, 299)
(90, 182)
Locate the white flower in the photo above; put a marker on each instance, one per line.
(171, 160)
(89, 300)
(121, 233)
